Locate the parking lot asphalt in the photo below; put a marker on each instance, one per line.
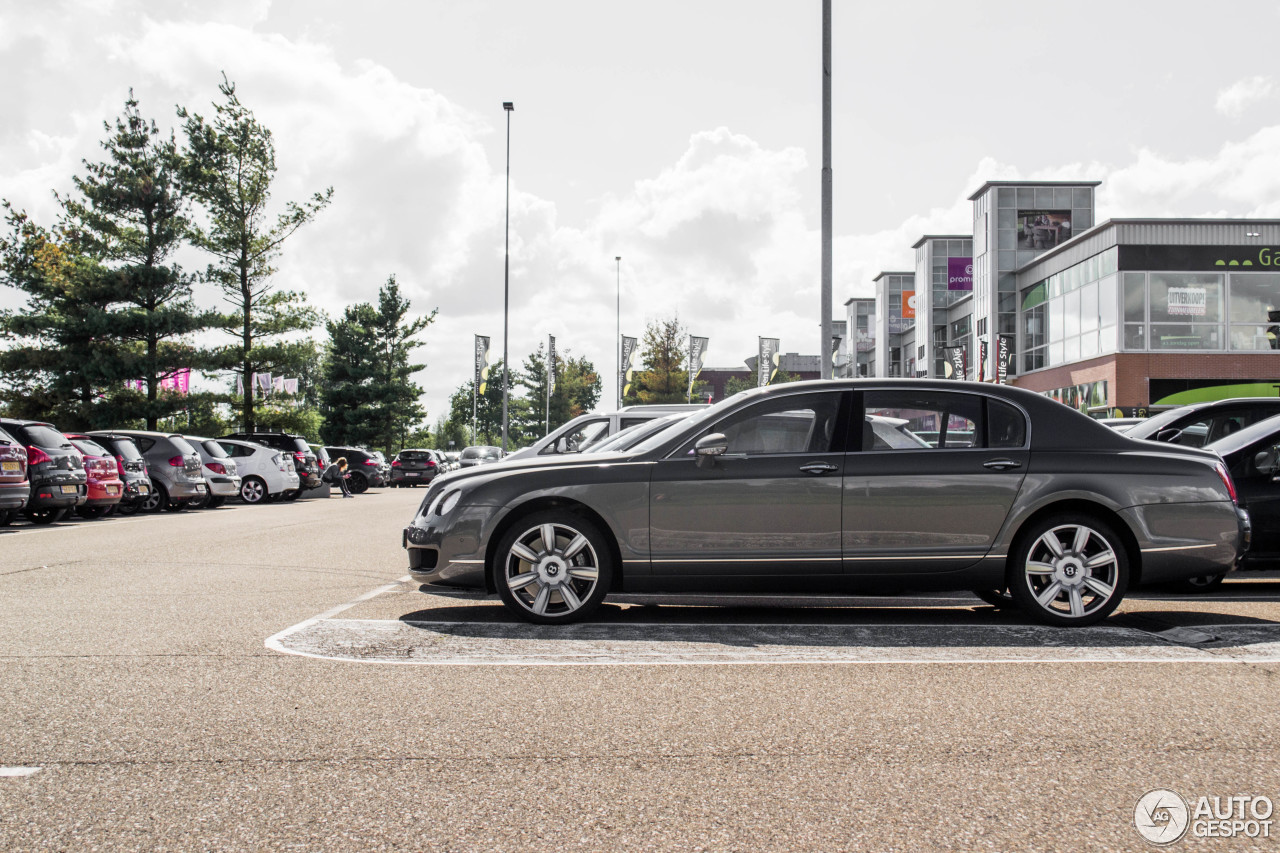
(263, 678)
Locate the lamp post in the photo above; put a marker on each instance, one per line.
(617, 339)
(506, 280)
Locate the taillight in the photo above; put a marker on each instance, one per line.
(300, 458)
(431, 463)
(395, 463)
(216, 467)
(1226, 481)
(371, 461)
(177, 461)
(36, 456)
(120, 466)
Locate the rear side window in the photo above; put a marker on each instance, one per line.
(144, 443)
(942, 420)
(1006, 426)
(6, 438)
(43, 436)
(183, 446)
(214, 449)
(91, 448)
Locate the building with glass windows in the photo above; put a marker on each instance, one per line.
(860, 343)
(1127, 314)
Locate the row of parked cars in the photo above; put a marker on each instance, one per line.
(46, 474)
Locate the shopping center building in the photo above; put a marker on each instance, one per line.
(1127, 315)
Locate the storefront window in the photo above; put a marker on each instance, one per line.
(1255, 338)
(1135, 336)
(1185, 297)
(1135, 297)
(1170, 336)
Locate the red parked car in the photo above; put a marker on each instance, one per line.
(106, 489)
(15, 489)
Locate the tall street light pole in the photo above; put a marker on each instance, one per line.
(506, 281)
(824, 349)
(617, 340)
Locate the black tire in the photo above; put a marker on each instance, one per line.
(157, 500)
(291, 495)
(358, 484)
(562, 568)
(199, 502)
(253, 490)
(5, 516)
(1198, 585)
(45, 515)
(214, 503)
(130, 508)
(177, 506)
(1090, 569)
(1000, 599)
(91, 511)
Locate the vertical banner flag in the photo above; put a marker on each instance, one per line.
(955, 364)
(835, 349)
(239, 384)
(1003, 352)
(277, 384)
(291, 386)
(959, 273)
(628, 356)
(982, 360)
(184, 381)
(908, 304)
(697, 352)
(482, 364)
(264, 382)
(551, 365)
(767, 363)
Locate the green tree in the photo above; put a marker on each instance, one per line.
(230, 168)
(488, 429)
(107, 296)
(664, 378)
(369, 396)
(577, 391)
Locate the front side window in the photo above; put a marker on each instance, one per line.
(932, 420)
(795, 423)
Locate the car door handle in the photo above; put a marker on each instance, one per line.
(1001, 464)
(818, 468)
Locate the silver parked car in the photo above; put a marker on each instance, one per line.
(219, 470)
(176, 471)
(840, 487)
(266, 474)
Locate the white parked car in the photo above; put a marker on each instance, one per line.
(265, 474)
(219, 469)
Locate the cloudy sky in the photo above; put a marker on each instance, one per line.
(684, 136)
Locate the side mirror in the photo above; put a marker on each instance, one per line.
(1267, 461)
(709, 447)
(1168, 435)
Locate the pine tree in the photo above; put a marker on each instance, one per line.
(664, 378)
(231, 166)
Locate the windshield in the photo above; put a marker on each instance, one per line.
(633, 435)
(183, 447)
(214, 449)
(43, 436)
(414, 455)
(696, 421)
(89, 448)
(1155, 423)
(301, 445)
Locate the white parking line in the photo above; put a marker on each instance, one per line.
(446, 643)
(18, 772)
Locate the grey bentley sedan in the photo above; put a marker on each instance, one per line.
(853, 486)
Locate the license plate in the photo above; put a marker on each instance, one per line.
(10, 466)
(144, 490)
(413, 473)
(70, 490)
(201, 488)
(113, 490)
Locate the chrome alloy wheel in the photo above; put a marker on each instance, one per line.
(1072, 570)
(551, 569)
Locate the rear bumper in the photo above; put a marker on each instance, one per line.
(224, 487)
(52, 496)
(186, 491)
(14, 495)
(1186, 540)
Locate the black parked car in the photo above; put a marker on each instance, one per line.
(830, 487)
(1253, 458)
(54, 467)
(363, 466)
(414, 467)
(304, 458)
(1202, 423)
(132, 468)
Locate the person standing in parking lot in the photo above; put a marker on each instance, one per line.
(337, 473)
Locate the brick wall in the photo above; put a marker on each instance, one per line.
(1127, 373)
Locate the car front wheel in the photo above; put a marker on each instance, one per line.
(1069, 570)
(1199, 584)
(553, 568)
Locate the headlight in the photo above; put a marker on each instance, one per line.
(444, 503)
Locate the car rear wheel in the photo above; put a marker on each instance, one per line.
(5, 515)
(1200, 584)
(156, 499)
(553, 568)
(129, 508)
(1069, 570)
(177, 506)
(214, 503)
(253, 490)
(199, 502)
(291, 495)
(46, 515)
(91, 511)
(358, 484)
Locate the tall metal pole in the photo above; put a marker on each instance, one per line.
(506, 281)
(618, 337)
(825, 346)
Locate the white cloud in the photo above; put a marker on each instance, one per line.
(1240, 95)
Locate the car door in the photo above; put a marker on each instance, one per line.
(932, 481)
(770, 506)
(1259, 492)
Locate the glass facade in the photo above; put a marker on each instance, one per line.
(1074, 315)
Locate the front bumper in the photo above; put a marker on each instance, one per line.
(449, 551)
